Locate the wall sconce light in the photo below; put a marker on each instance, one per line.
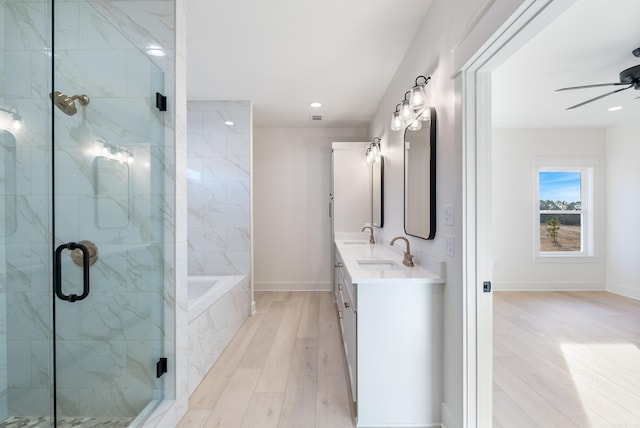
(413, 109)
(120, 154)
(373, 153)
(406, 112)
(15, 117)
(396, 122)
(418, 98)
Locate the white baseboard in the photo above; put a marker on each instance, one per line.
(548, 286)
(292, 286)
(623, 290)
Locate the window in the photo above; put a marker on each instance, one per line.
(564, 221)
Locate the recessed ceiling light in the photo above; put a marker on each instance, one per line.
(228, 123)
(615, 108)
(315, 104)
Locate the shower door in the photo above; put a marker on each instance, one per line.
(108, 186)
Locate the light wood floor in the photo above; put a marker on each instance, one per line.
(566, 359)
(284, 368)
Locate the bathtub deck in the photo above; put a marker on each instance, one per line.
(284, 368)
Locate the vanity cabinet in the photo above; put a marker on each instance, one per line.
(392, 331)
(345, 303)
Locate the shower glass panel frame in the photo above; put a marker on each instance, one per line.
(62, 189)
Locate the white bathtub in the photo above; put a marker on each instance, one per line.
(217, 307)
(205, 290)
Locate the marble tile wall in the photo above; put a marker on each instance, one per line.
(106, 361)
(218, 183)
(162, 23)
(179, 318)
(26, 249)
(210, 333)
(146, 23)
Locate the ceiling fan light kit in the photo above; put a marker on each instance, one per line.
(629, 77)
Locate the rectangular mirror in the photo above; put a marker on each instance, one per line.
(377, 192)
(112, 192)
(420, 179)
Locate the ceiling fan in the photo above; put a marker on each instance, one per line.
(630, 78)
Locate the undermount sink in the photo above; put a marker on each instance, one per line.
(355, 242)
(376, 264)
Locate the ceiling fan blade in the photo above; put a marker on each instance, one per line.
(601, 96)
(591, 86)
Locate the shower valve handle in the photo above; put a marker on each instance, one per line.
(85, 270)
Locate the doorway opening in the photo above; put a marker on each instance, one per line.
(493, 229)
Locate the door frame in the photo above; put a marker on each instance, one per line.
(527, 20)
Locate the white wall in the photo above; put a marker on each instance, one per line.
(291, 206)
(623, 228)
(514, 192)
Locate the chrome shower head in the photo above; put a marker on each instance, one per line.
(66, 103)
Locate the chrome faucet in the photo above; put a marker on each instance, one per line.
(371, 240)
(408, 257)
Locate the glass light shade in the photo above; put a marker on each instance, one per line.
(416, 125)
(406, 112)
(426, 115)
(417, 99)
(368, 157)
(375, 152)
(397, 124)
(17, 124)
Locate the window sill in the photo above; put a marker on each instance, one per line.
(566, 258)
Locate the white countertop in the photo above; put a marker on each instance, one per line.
(353, 251)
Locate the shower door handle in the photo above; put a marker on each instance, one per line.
(85, 272)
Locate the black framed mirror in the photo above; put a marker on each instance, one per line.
(420, 178)
(377, 192)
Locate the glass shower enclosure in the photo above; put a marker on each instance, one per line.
(82, 243)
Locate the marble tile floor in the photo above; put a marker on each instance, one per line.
(45, 422)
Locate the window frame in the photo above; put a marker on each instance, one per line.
(587, 169)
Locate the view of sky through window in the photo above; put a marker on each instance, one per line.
(559, 186)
